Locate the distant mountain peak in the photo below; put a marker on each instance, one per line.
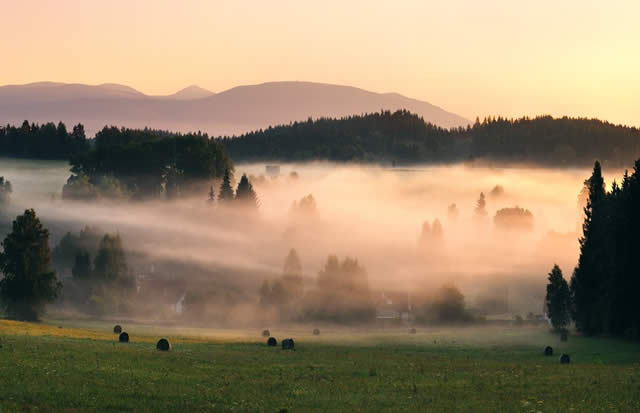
(191, 92)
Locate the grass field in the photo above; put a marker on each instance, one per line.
(61, 365)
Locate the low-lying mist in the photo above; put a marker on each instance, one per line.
(371, 213)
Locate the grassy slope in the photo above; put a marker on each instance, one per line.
(79, 369)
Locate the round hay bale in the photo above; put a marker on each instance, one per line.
(564, 335)
(272, 342)
(288, 344)
(163, 345)
(124, 337)
(266, 333)
(548, 351)
(316, 332)
(565, 359)
(117, 329)
(412, 331)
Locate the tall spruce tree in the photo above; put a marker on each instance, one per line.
(587, 282)
(29, 282)
(245, 195)
(225, 194)
(558, 299)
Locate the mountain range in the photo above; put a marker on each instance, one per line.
(231, 112)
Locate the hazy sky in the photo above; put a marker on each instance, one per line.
(574, 57)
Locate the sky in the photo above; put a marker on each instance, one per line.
(474, 58)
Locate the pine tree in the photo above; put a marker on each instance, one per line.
(587, 281)
(212, 195)
(225, 194)
(245, 194)
(29, 281)
(558, 299)
(481, 204)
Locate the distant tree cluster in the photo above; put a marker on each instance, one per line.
(101, 277)
(306, 207)
(285, 294)
(516, 218)
(377, 136)
(605, 282)
(404, 137)
(445, 305)
(145, 163)
(244, 197)
(341, 293)
(46, 141)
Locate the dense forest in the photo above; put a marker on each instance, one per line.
(405, 138)
(145, 163)
(601, 296)
(46, 141)
(385, 136)
(605, 283)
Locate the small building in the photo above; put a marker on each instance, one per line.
(272, 170)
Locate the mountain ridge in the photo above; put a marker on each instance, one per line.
(230, 112)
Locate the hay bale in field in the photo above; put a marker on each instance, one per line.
(564, 335)
(123, 338)
(266, 333)
(412, 331)
(117, 329)
(548, 351)
(163, 345)
(272, 342)
(565, 359)
(288, 344)
(316, 332)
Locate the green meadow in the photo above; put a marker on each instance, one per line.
(80, 366)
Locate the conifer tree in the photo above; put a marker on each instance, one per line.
(245, 195)
(481, 204)
(587, 280)
(29, 281)
(225, 194)
(212, 195)
(558, 299)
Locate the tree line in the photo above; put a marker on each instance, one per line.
(45, 141)
(406, 138)
(601, 296)
(145, 163)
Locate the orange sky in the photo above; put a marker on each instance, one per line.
(574, 57)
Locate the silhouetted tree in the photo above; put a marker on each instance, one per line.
(448, 305)
(481, 204)
(29, 281)
(245, 195)
(558, 299)
(225, 194)
(212, 195)
(587, 282)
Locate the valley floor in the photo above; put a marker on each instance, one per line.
(63, 366)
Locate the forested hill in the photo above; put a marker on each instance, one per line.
(405, 138)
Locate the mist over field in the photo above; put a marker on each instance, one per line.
(371, 213)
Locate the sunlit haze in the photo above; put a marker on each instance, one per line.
(498, 57)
